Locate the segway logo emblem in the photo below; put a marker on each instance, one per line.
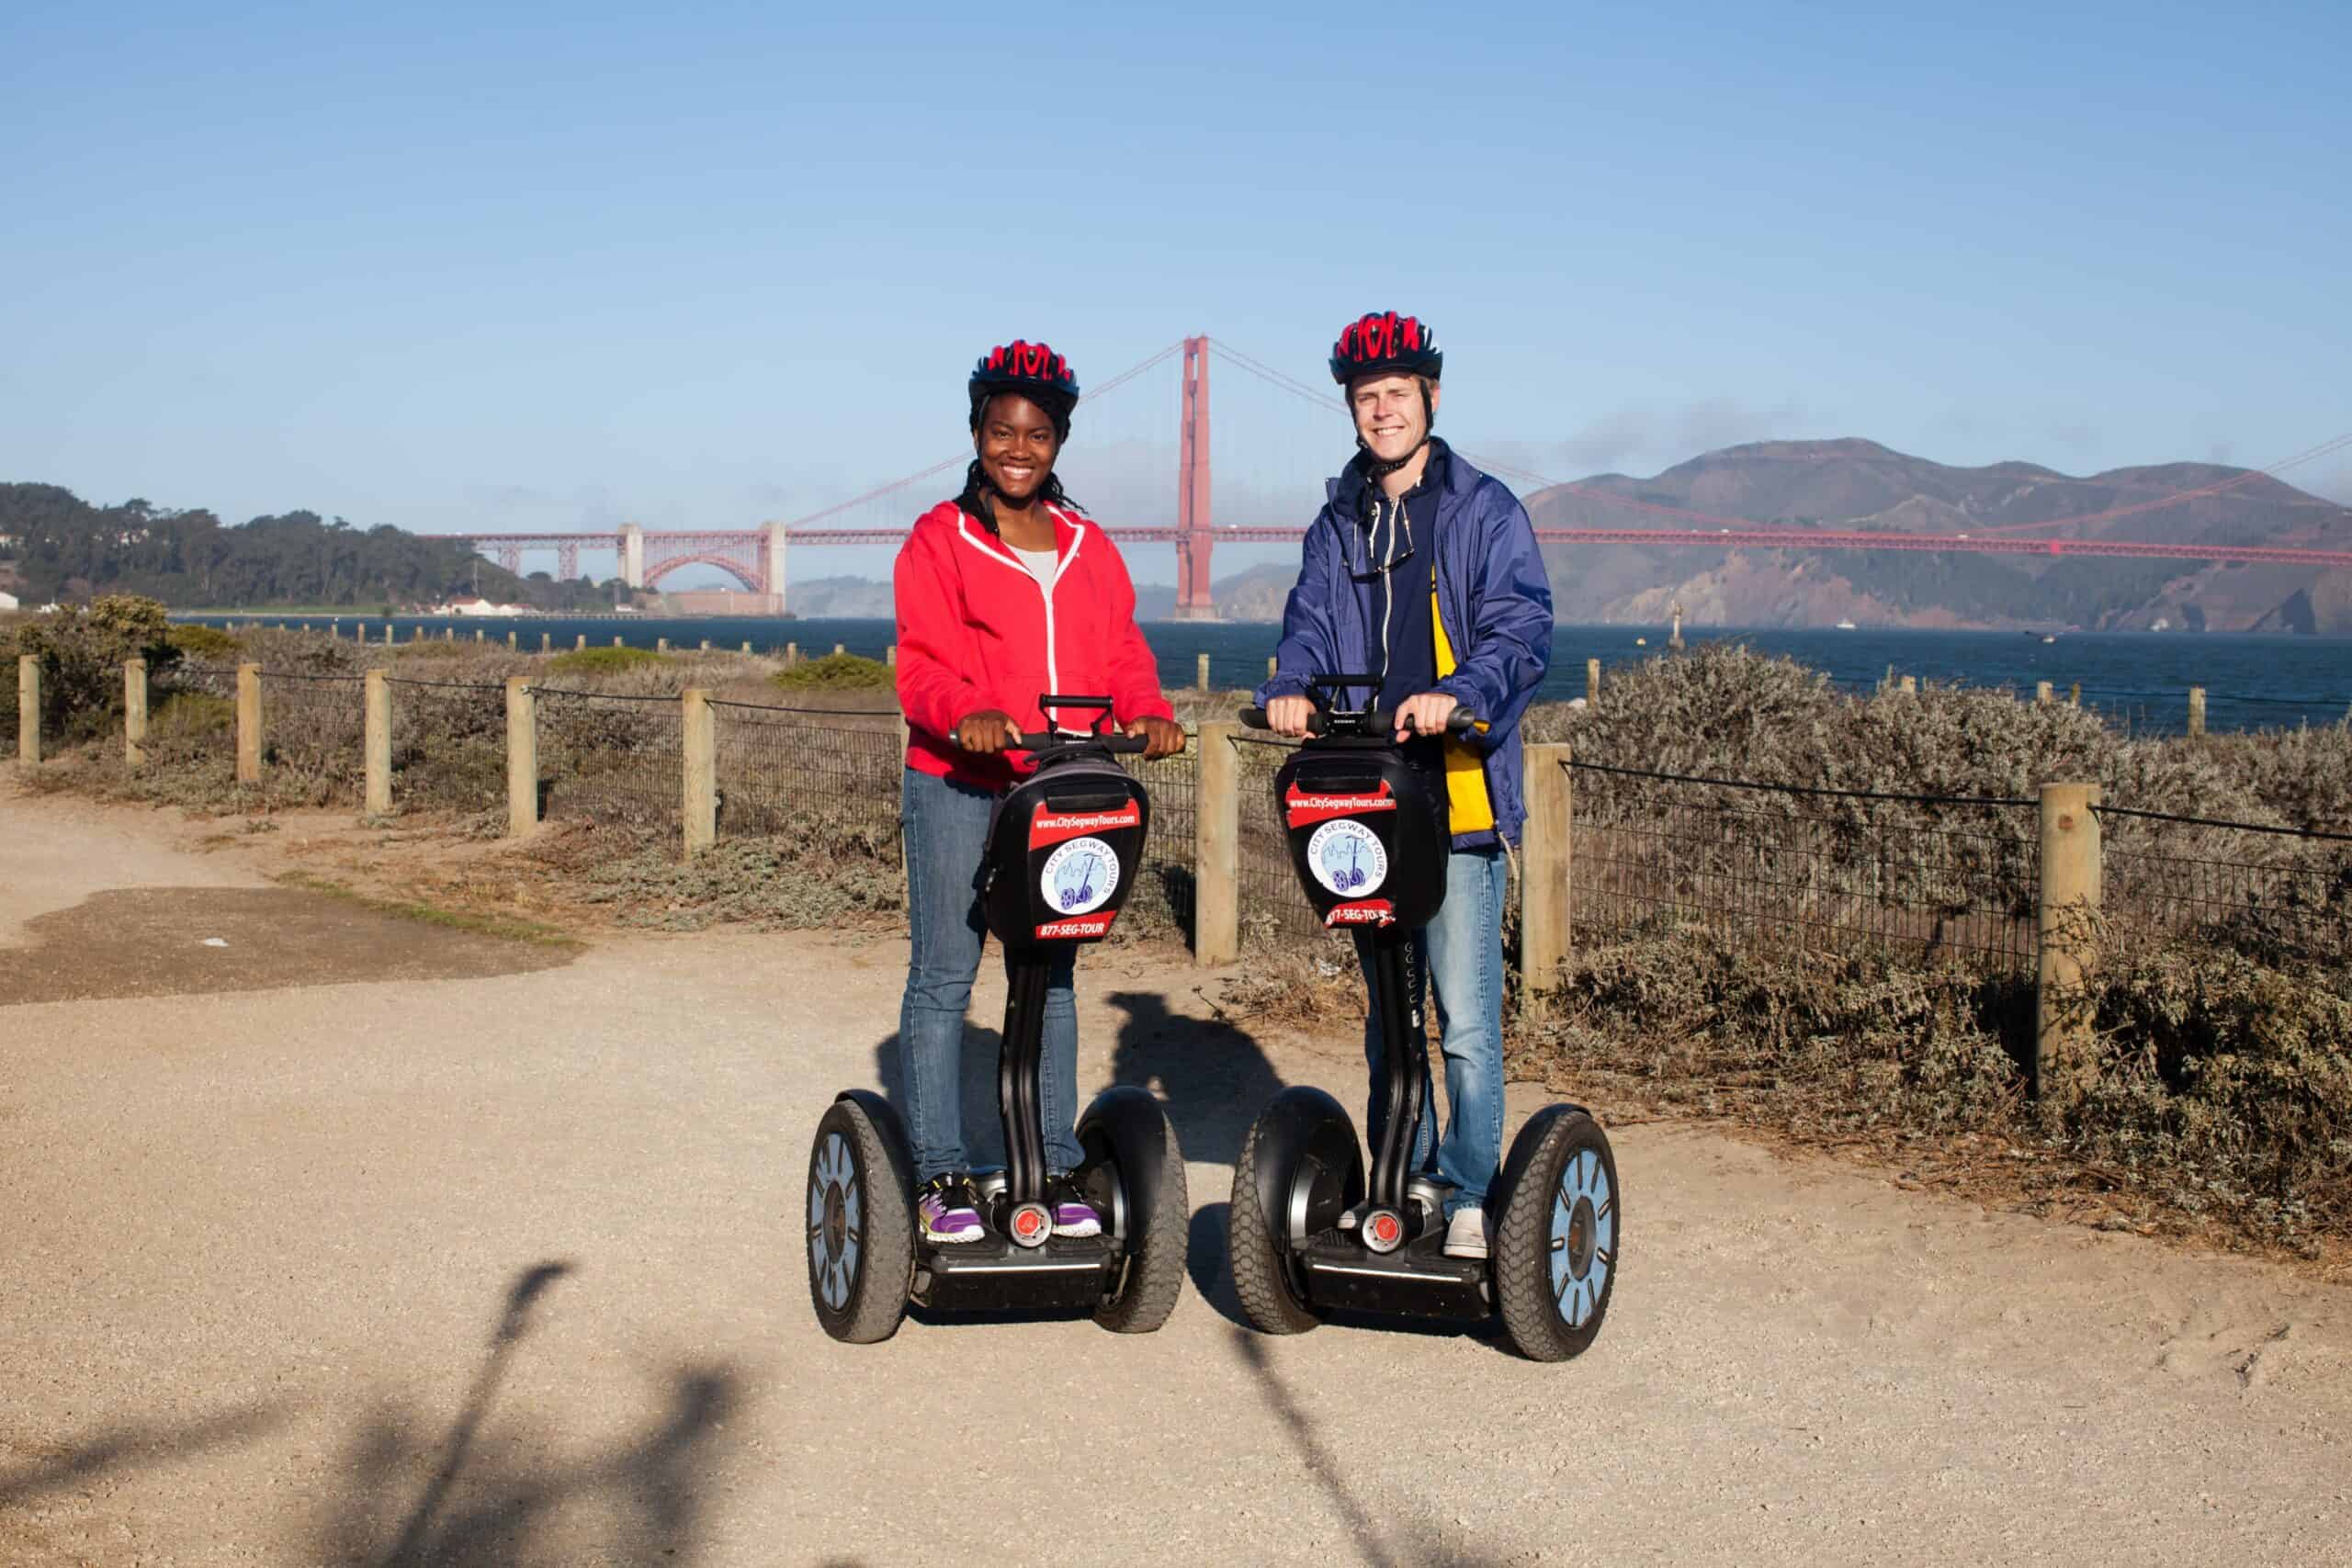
(1303, 808)
(1032, 1225)
(1383, 1231)
(1347, 858)
(1079, 876)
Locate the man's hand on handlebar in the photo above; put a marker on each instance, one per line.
(1424, 714)
(1288, 715)
(987, 732)
(1162, 737)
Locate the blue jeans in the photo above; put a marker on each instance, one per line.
(945, 826)
(1461, 951)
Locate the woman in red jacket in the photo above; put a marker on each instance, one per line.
(1005, 593)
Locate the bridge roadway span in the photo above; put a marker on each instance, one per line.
(262, 1242)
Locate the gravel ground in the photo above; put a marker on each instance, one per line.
(492, 1259)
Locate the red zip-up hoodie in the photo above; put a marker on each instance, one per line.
(977, 631)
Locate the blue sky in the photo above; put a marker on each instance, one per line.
(545, 267)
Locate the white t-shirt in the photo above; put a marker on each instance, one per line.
(1041, 565)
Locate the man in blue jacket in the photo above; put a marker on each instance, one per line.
(1423, 570)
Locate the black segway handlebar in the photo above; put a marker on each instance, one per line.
(1091, 740)
(1373, 721)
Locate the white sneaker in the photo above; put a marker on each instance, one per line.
(1466, 1235)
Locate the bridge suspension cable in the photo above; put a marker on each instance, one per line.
(965, 455)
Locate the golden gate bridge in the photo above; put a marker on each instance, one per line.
(756, 558)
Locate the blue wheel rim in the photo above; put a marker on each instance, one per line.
(1584, 1238)
(836, 1222)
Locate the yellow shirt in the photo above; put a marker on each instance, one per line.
(1466, 771)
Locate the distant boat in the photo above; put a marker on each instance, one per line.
(2050, 640)
(1844, 625)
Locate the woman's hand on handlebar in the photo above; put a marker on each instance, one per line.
(1162, 737)
(1288, 715)
(1424, 714)
(987, 732)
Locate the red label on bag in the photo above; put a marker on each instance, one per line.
(1362, 913)
(1051, 827)
(1075, 928)
(1305, 807)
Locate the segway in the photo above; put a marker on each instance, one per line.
(1063, 847)
(1369, 836)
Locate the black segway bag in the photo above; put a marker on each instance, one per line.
(1369, 833)
(1064, 848)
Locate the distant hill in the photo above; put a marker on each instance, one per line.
(64, 547)
(1852, 483)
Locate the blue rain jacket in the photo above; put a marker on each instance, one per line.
(1492, 593)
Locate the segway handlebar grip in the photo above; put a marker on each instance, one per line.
(1255, 718)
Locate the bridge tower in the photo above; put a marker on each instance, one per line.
(632, 555)
(773, 539)
(1193, 541)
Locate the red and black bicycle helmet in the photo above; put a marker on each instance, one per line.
(1032, 370)
(1385, 343)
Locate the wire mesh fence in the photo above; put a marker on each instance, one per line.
(2279, 896)
(1781, 868)
(807, 772)
(1173, 783)
(1274, 907)
(611, 760)
(313, 730)
(449, 744)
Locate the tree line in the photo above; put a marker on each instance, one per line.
(63, 547)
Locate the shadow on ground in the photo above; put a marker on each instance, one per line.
(1382, 1538)
(481, 1493)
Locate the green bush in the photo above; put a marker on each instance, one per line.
(604, 660)
(204, 644)
(835, 672)
(82, 649)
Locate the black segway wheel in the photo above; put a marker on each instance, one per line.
(1135, 1164)
(1556, 1260)
(1300, 1168)
(861, 1227)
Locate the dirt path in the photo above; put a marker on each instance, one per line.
(491, 1261)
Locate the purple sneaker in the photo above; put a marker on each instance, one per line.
(1073, 1216)
(949, 1212)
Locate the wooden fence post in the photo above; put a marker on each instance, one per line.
(522, 758)
(791, 654)
(2074, 696)
(661, 645)
(1271, 661)
(890, 655)
(249, 721)
(700, 735)
(2041, 692)
(546, 642)
(134, 713)
(706, 645)
(1217, 845)
(1201, 678)
(1592, 683)
(1908, 685)
(579, 642)
(28, 709)
(837, 650)
(747, 645)
(377, 748)
(2196, 711)
(1544, 870)
(616, 639)
(2066, 939)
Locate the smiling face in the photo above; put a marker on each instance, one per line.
(1389, 416)
(1017, 445)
